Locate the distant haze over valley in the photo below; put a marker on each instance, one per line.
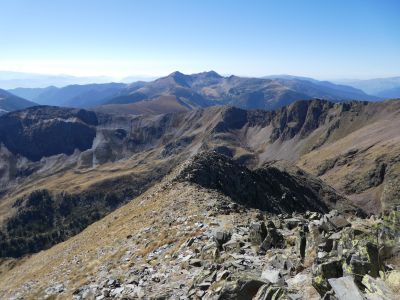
(182, 92)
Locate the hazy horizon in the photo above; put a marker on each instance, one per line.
(108, 78)
(324, 40)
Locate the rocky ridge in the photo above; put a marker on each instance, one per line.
(182, 240)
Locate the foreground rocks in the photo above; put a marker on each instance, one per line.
(261, 256)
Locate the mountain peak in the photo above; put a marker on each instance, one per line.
(179, 78)
(210, 74)
(176, 74)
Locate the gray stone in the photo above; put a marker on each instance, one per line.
(242, 289)
(221, 237)
(377, 288)
(274, 239)
(272, 275)
(55, 289)
(345, 288)
(258, 232)
(359, 267)
(332, 269)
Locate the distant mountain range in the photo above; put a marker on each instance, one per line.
(87, 95)
(209, 88)
(10, 102)
(11, 80)
(181, 92)
(381, 87)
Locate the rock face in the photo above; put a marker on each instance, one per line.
(268, 188)
(44, 131)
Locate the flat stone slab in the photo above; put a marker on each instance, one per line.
(345, 288)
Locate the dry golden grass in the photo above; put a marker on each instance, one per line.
(105, 242)
(75, 180)
(309, 258)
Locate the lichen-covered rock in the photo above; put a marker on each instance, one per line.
(376, 287)
(330, 269)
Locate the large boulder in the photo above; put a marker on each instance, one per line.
(274, 239)
(330, 269)
(334, 221)
(242, 289)
(345, 288)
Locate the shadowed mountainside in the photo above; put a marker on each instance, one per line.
(9, 102)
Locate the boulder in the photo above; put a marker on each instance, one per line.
(359, 267)
(293, 223)
(242, 289)
(321, 284)
(274, 239)
(393, 280)
(258, 232)
(195, 262)
(330, 295)
(221, 237)
(333, 221)
(234, 244)
(345, 288)
(325, 271)
(269, 292)
(332, 269)
(377, 289)
(374, 258)
(326, 246)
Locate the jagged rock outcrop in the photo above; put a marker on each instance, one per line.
(269, 188)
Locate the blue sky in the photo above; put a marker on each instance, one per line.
(322, 39)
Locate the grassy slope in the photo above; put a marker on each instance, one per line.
(104, 243)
